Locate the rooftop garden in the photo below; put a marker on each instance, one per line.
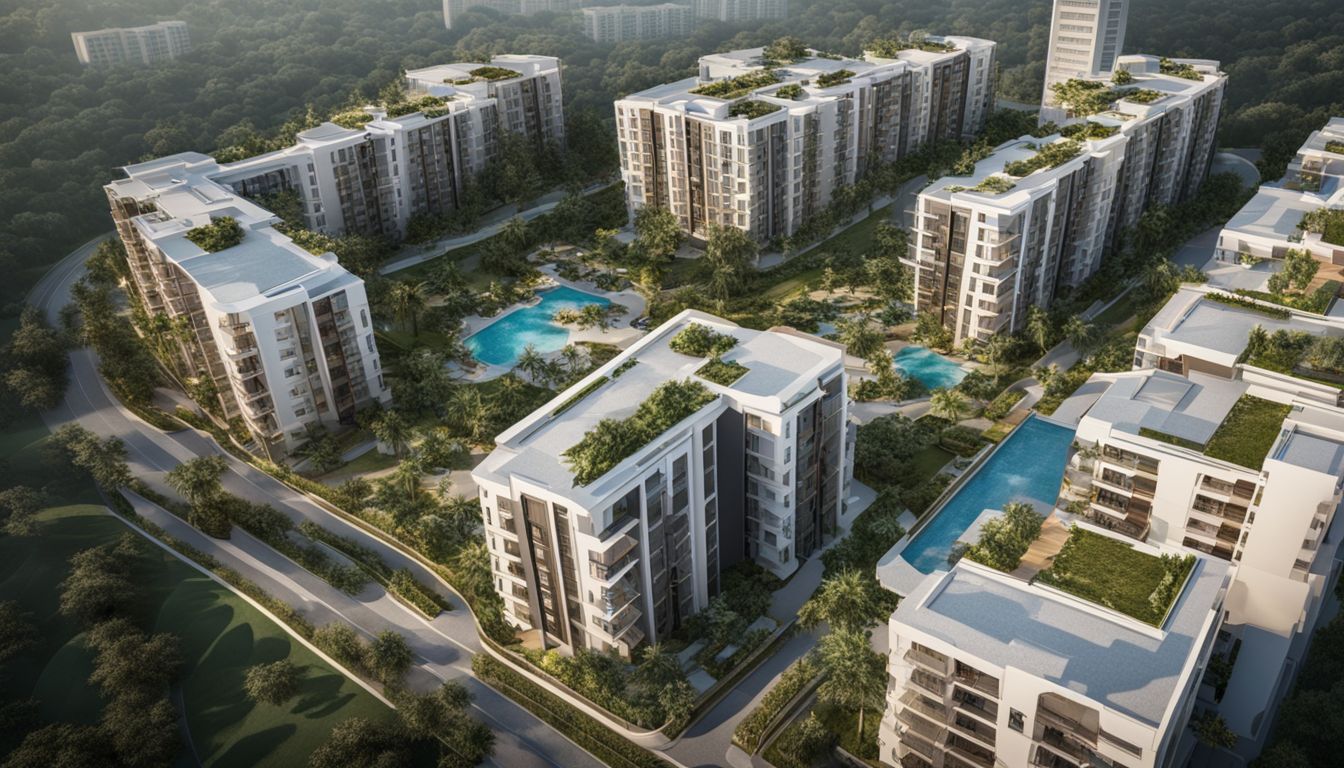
(353, 119)
(792, 91)
(831, 79)
(614, 440)
(1048, 156)
(1142, 95)
(1085, 97)
(1088, 130)
(1335, 147)
(698, 340)
(752, 109)
(785, 50)
(1122, 77)
(722, 372)
(220, 234)
(429, 106)
(741, 85)
(1163, 437)
(1327, 223)
(1005, 539)
(1242, 302)
(996, 185)
(890, 48)
(495, 73)
(1248, 432)
(1296, 353)
(1111, 573)
(1168, 67)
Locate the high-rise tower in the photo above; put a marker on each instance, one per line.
(1085, 39)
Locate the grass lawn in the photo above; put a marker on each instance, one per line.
(366, 463)
(1118, 312)
(1110, 572)
(220, 637)
(926, 463)
(1248, 432)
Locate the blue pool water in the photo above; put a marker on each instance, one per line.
(501, 342)
(1028, 467)
(929, 368)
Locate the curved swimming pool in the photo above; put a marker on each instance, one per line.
(928, 367)
(1027, 467)
(503, 341)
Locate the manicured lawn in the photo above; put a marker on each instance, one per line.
(1111, 573)
(926, 463)
(1248, 432)
(1118, 312)
(220, 636)
(365, 463)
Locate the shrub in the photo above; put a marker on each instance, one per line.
(495, 73)
(1049, 156)
(612, 440)
(220, 234)
(752, 109)
(1004, 540)
(831, 79)
(737, 86)
(791, 682)
(722, 372)
(1003, 404)
(698, 340)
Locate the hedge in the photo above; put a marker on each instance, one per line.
(751, 730)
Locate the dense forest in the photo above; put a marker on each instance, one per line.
(259, 63)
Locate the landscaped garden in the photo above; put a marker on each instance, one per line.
(1297, 353)
(1112, 573)
(1248, 432)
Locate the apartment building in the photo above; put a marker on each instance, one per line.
(1038, 214)
(764, 148)
(378, 170)
(759, 470)
(1086, 37)
(1267, 226)
(731, 11)
(135, 45)
(990, 670)
(282, 336)
(619, 23)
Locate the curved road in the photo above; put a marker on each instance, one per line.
(443, 646)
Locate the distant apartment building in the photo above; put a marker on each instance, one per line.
(377, 171)
(619, 23)
(987, 670)
(1038, 214)
(764, 148)
(1167, 454)
(282, 337)
(1086, 38)
(135, 45)
(741, 10)
(759, 471)
(1267, 227)
(453, 9)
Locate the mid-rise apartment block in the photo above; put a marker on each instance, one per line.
(135, 45)
(1086, 37)
(1209, 447)
(1267, 227)
(764, 146)
(377, 170)
(282, 337)
(1038, 214)
(757, 470)
(987, 670)
(741, 10)
(619, 23)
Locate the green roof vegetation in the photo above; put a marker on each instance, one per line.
(737, 86)
(1122, 77)
(495, 73)
(1088, 130)
(1297, 353)
(1005, 539)
(1335, 147)
(1316, 302)
(354, 119)
(219, 235)
(831, 79)
(1244, 303)
(888, 49)
(1085, 97)
(429, 106)
(698, 340)
(1049, 156)
(1248, 432)
(752, 109)
(722, 372)
(577, 397)
(614, 440)
(1327, 223)
(785, 50)
(995, 185)
(1142, 95)
(1111, 573)
(1180, 442)
(1187, 71)
(792, 91)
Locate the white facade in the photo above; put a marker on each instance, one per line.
(1267, 226)
(137, 45)
(982, 256)
(759, 473)
(988, 670)
(741, 10)
(618, 23)
(1086, 37)
(813, 132)
(283, 335)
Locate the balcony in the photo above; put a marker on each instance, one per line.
(919, 726)
(915, 702)
(931, 683)
(976, 706)
(922, 748)
(971, 755)
(1065, 724)
(934, 662)
(978, 681)
(974, 730)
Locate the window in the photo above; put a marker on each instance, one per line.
(1015, 720)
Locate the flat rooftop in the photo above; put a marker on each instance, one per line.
(1190, 409)
(1273, 213)
(1120, 662)
(1190, 323)
(781, 367)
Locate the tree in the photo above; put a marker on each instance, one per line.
(658, 235)
(931, 333)
(1005, 539)
(856, 676)
(1211, 730)
(785, 50)
(422, 383)
(390, 657)
(104, 460)
(1299, 267)
(442, 715)
(17, 632)
(407, 301)
(341, 643)
(198, 481)
(99, 584)
(884, 447)
(64, 745)
(394, 430)
(19, 505)
(860, 337)
(1080, 333)
(359, 743)
(729, 254)
(35, 362)
(531, 362)
(274, 683)
(948, 403)
(845, 601)
(1038, 327)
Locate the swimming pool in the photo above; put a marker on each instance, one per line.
(501, 342)
(929, 368)
(1029, 467)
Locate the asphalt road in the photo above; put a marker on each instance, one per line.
(443, 646)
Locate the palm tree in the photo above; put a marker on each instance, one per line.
(531, 362)
(392, 429)
(1079, 332)
(198, 481)
(512, 393)
(514, 233)
(408, 301)
(1038, 327)
(948, 403)
(573, 356)
(845, 602)
(856, 676)
(995, 349)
